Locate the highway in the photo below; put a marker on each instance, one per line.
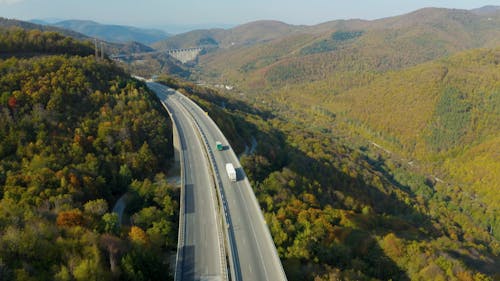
(251, 251)
(201, 253)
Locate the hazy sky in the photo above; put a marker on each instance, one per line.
(182, 12)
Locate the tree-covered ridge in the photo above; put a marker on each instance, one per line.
(446, 114)
(75, 134)
(441, 119)
(331, 44)
(391, 135)
(13, 23)
(315, 53)
(432, 107)
(24, 39)
(17, 41)
(341, 212)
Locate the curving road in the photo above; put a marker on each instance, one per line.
(201, 251)
(251, 250)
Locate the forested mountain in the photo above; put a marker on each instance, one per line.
(113, 33)
(30, 26)
(76, 133)
(20, 42)
(348, 47)
(111, 48)
(242, 35)
(340, 210)
(142, 65)
(447, 113)
(378, 142)
(442, 114)
(430, 27)
(377, 152)
(486, 10)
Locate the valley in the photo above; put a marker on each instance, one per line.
(415, 96)
(375, 147)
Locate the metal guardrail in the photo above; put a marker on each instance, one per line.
(254, 198)
(230, 239)
(222, 205)
(209, 155)
(182, 223)
(223, 209)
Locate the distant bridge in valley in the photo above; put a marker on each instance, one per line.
(184, 55)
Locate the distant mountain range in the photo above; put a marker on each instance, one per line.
(246, 34)
(183, 28)
(110, 33)
(114, 48)
(36, 25)
(427, 20)
(271, 53)
(487, 10)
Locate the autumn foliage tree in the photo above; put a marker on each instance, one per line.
(70, 218)
(137, 235)
(74, 134)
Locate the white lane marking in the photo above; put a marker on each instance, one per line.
(261, 257)
(204, 233)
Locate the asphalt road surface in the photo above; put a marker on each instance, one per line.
(254, 255)
(201, 257)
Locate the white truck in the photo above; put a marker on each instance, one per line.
(231, 172)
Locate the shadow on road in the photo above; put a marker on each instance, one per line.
(188, 263)
(189, 204)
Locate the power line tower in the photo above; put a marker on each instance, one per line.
(102, 50)
(96, 49)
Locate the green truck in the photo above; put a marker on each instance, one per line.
(219, 146)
